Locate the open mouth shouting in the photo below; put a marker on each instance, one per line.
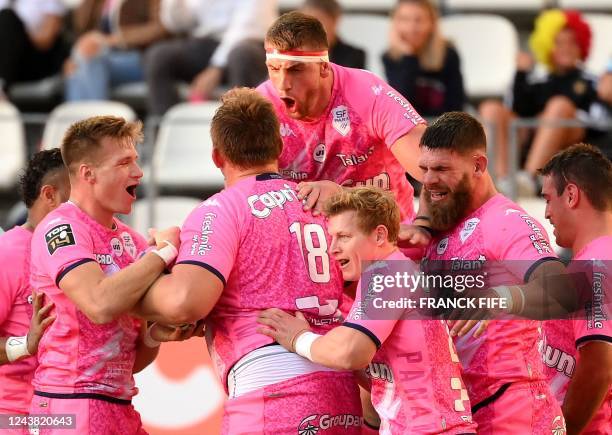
(131, 190)
(438, 195)
(290, 103)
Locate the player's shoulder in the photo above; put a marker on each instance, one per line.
(359, 84)
(59, 226)
(267, 90)
(502, 211)
(13, 242)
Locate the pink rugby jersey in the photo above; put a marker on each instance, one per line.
(15, 314)
(499, 230)
(564, 337)
(416, 374)
(350, 143)
(78, 358)
(256, 238)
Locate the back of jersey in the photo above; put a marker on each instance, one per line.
(269, 253)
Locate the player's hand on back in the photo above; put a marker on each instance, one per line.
(40, 321)
(413, 236)
(314, 194)
(282, 326)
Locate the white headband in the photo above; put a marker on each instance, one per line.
(298, 56)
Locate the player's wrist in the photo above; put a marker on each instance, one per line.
(16, 348)
(513, 296)
(167, 253)
(303, 344)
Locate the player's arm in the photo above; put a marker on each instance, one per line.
(589, 385)
(407, 151)
(146, 349)
(16, 348)
(341, 348)
(186, 295)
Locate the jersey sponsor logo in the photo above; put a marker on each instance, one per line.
(30, 299)
(558, 426)
(285, 130)
(116, 246)
(270, 200)
(468, 229)
(380, 371)
(595, 311)
(538, 240)
(459, 264)
(201, 243)
(58, 237)
(128, 244)
(410, 113)
(382, 181)
(211, 203)
(511, 210)
(355, 159)
(310, 302)
(104, 259)
(288, 173)
(319, 153)
(561, 361)
(341, 120)
(442, 245)
(377, 89)
(313, 423)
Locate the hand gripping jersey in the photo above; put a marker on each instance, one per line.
(78, 358)
(508, 352)
(15, 313)
(350, 143)
(415, 374)
(256, 238)
(565, 337)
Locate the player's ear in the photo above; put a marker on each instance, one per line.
(325, 70)
(218, 159)
(480, 164)
(572, 195)
(382, 234)
(86, 173)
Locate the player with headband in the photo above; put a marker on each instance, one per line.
(340, 126)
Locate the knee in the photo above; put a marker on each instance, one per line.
(492, 110)
(559, 106)
(247, 60)
(157, 59)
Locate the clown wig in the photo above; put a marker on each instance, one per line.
(548, 24)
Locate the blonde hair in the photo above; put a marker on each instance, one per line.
(373, 206)
(431, 57)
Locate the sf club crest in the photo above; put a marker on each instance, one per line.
(341, 120)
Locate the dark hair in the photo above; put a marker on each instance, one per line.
(295, 29)
(245, 129)
(586, 167)
(329, 7)
(455, 131)
(82, 140)
(373, 206)
(42, 166)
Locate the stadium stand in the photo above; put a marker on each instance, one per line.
(12, 146)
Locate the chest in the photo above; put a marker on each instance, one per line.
(114, 252)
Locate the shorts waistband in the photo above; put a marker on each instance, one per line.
(94, 396)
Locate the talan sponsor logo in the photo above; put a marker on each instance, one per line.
(355, 159)
(58, 237)
(262, 205)
(314, 423)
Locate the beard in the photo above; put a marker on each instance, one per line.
(447, 213)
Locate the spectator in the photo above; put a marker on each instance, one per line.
(108, 52)
(226, 38)
(31, 44)
(560, 41)
(328, 12)
(601, 114)
(420, 63)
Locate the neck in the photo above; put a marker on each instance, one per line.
(385, 250)
(233, 174)
(88, 204)
(600, 225)
(323, 98)
(36, 213)
(483, 192)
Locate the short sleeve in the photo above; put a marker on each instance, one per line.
(7, 291)
(61, 246)
(210, 237)
(392, 115)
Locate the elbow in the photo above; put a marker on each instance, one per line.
(99, 316)
(351, 358)
(181, 308)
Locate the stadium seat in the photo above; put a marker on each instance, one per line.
(182, 156)
(487, 45)
(601, 45)
(67, 113)
(584, 5)
(12, 145)
(370, 32)
(169, 211)
(498, 5)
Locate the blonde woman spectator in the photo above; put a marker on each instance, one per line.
(420, 63)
